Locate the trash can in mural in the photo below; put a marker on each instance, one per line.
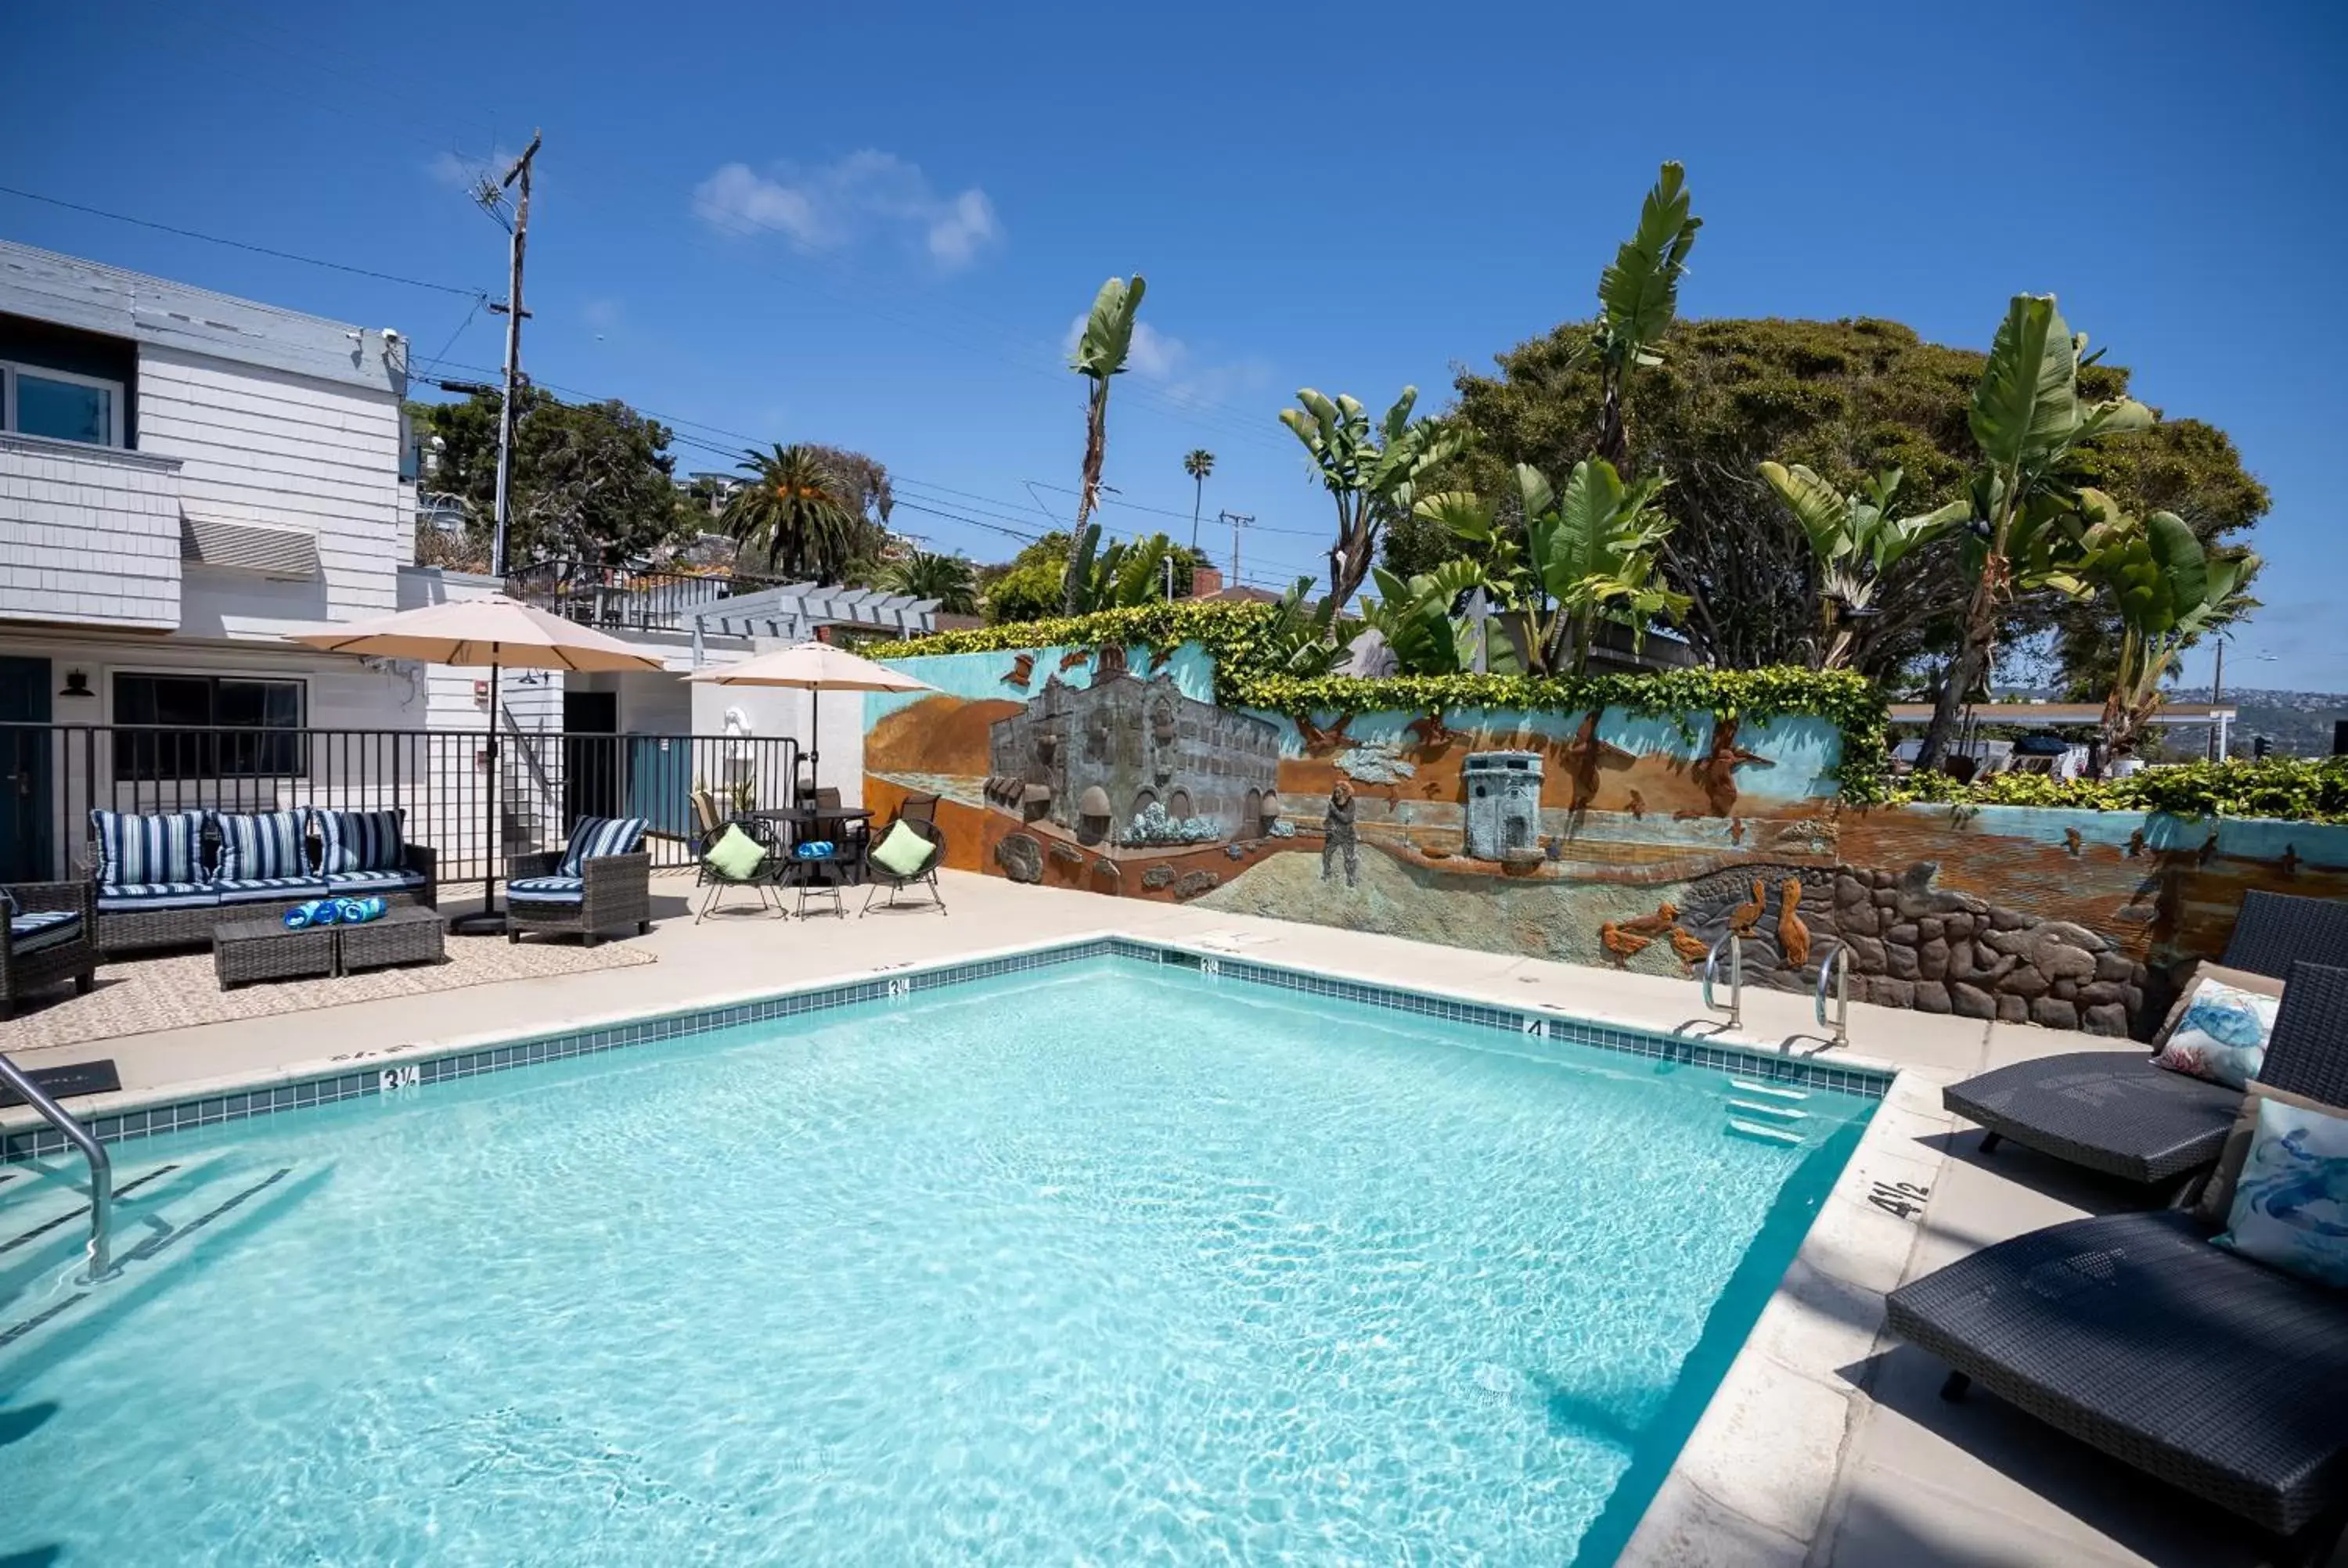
(1503, 802)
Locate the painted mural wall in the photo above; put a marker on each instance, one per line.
(1588, 837)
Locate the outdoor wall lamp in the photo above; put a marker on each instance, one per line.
(76, 684)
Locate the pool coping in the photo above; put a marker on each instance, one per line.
(1752, 1481)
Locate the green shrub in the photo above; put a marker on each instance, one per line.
(1237, 637)
(2288, 788)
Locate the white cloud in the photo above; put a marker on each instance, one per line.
(1168, 362)
(832, 207)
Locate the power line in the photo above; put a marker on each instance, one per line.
(241, 245)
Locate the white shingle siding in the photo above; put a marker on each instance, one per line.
(267, 446)
(87, 534)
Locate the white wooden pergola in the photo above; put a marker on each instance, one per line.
(795, 611)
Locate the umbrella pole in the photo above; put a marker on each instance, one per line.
(487, 918)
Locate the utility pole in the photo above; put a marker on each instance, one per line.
(2216, 696)
(1237, 520)
(513, 314)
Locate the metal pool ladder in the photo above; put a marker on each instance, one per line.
(1733, 945)
(1838, 965)
(101, 1169)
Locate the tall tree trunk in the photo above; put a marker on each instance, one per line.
(1972, 653)
(1349, 557)
(1613, 439)
(1088, 495)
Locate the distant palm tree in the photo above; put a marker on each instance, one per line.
(1198, 464)
(793, 511)
(949, 579)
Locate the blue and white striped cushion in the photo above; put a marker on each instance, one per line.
(267, 844)
(133, 896)
(269, 889)
(362, 840)
(43, 928)
(546, 891)
(372, 881)
(592, 837)
(136, 849)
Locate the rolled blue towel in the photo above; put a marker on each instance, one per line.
(354, 911)
(372, 906)
(814, 849)
(301, 915)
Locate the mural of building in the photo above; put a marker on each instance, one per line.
(1503, 802)
(1093, 758)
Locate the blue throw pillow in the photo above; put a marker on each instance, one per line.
(2290, 1203)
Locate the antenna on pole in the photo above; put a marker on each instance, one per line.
(1237, 520)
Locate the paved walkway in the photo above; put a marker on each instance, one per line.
(1850, 1468)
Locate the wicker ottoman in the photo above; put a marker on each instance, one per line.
(247, 950)
(404, 933)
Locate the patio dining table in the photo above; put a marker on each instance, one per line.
(822, 875)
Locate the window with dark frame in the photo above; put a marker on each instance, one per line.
(208, 727)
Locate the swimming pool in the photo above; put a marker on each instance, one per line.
(1109, 1261)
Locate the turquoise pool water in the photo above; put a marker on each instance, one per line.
(1098, 1263)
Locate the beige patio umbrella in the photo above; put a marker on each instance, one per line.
(811, 667)
(494, 631)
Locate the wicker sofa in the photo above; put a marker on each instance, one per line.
(49, 939)
(601, 879)
(165, 879)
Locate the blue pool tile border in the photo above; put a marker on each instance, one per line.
(395, 1075)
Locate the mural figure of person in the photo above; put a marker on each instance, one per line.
(1337, 833)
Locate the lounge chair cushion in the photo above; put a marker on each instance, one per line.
(592, 837)
(2134, 1334)
(360, 883)
(736, 855)
(2221, 1035)
(546, 890)
(2205, 970)
(903, 851)
(269, 889)
(42, 929)
(2110, 1111)
(362, 840)
(142, 850)
(2293, 1193)
(265, 843)
(2217, 1198)
(134, 897)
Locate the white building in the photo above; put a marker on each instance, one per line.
(186, 478)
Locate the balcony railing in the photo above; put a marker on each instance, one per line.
(627, 599)
(52, 775)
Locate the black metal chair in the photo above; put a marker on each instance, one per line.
(2219, 1376)
(881, 876)
(2114, 1110)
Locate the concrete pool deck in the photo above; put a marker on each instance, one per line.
(1826, 1444)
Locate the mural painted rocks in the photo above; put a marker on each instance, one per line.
(1915, 944)
(1021, 857)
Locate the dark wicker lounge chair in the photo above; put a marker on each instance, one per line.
(2114, 1110)
(2219, 1376)
(554, 894)
(50, 936)
(882, 876)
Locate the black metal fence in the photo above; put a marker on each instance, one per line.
(52, 776)
(623, 599)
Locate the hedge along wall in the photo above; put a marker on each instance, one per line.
(1125, 760)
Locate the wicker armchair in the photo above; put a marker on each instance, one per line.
(34, 955)
(2215, 1374)
(614, 890)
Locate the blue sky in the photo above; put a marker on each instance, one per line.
(872, 225)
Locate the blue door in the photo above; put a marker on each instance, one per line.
(26, 847)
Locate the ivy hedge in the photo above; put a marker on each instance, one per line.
(2290, 788)
(1245, 643)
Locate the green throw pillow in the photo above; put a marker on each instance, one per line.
(735, 854)
(903, 851)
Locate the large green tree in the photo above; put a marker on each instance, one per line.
(794, 514)
(1103, 344)
(592, 481)
(1846, 399)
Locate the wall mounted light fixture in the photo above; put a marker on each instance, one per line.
(76, 684)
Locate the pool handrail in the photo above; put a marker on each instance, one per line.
(101, 1168)
(1835, 963)
(1734, 944)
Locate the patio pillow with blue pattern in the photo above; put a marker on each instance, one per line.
(362, 840)
(2221, 1035)
(2290, 1203)
(145, 848)
(267, 844)
(594, 838)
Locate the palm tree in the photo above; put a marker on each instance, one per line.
(1198, 464)
(792, 511)
(949, 579)
(1100, 353)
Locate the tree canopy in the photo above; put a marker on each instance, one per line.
(592, 481)
(1847, 399)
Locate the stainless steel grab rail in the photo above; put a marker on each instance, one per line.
(1838, 964)
(101, 1169)
(1735, 945)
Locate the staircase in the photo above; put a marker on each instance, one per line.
(1766, 1112)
